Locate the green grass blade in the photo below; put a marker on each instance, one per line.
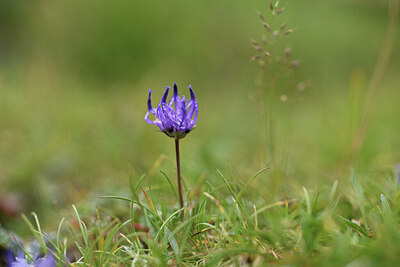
(166, 221)
(226, 183)
(308, 201)
(354, 226)
(170, 184)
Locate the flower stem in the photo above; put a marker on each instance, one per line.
(178, 167)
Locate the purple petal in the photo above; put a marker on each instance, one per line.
(192, 97)
(183, 113)
(165, 95)
(155, 122)
(9, 257)
(172, 100)
(19, 263)
(146, 118)
(192, 104)
(191, 107)
(196, 113)
(177, 101)
(47, 262)
(151, 110)
(175, 92)
(149, 106)
(165, 114)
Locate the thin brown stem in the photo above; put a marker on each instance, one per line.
(178, 168)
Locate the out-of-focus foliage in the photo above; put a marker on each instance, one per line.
(73, 86)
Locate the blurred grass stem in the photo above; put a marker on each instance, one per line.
(376, 80)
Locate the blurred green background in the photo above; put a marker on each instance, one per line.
(73, 87)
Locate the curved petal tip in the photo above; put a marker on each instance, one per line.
(149, 106)
(165, 95)
(191, 93)
(175, 90)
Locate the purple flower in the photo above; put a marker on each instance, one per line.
(20, 261)
(175, 118)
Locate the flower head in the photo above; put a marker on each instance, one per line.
(175, 118)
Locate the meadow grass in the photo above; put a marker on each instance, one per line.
(332, 226)
(272, 175)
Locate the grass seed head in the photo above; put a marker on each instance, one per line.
(264, 40)
(266, 26)
(288, 31)
(287, 51)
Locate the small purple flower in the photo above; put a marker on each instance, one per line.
(20, 261)
(175, 118)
